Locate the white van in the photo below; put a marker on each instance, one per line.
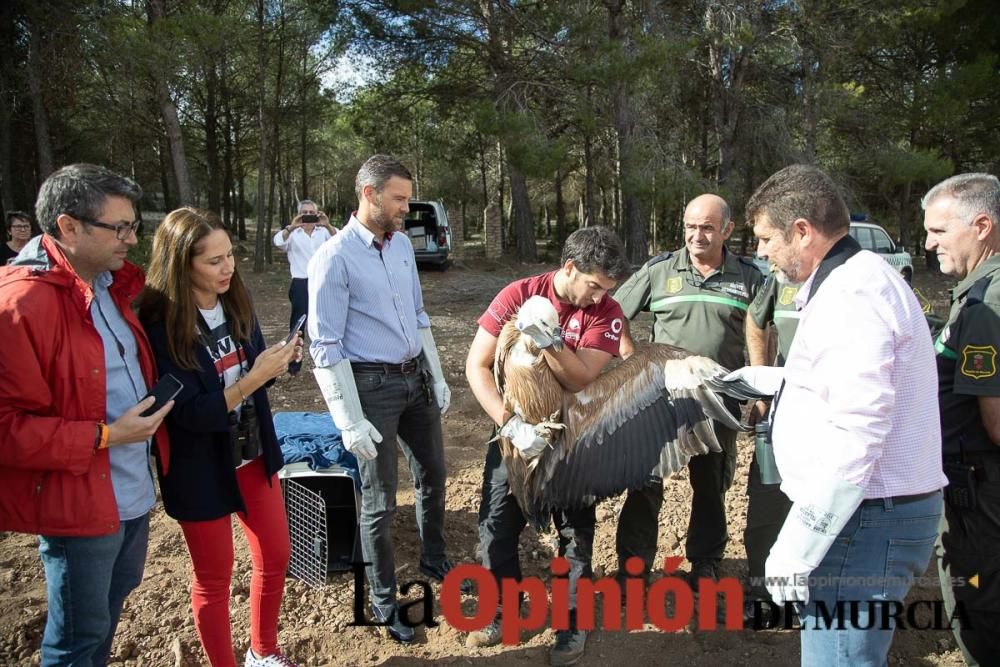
(427, 226)
(874, 238)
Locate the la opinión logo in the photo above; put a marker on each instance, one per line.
(549, 606)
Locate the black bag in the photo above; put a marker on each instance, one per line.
(244, 434)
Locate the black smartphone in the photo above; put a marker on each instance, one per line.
(310, 217)
(297, 328)
(167, 388)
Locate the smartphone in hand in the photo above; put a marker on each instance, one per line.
(166, 389)
(297, 328)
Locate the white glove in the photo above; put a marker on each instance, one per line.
(530, 439)
(442, 393)
(341, 395)
(537, 318)
(807, 534)
(765, 379)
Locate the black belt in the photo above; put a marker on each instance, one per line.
(900, 500)
(405, 368)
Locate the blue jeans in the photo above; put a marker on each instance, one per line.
(402, 405)
(87, 580)
(875, 557)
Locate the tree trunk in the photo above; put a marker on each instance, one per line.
(156, 10)
(43, 142)
(524, 225)
(633, 227)
(483, 176)
(161, 158)
(260, 240)
(560, 211)
(588, 197)
(305, 122)
(7, 92)
(227, 156)
(212, 137)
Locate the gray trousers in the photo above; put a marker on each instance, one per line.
(403, 405)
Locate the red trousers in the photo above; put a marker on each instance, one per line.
(210, 544)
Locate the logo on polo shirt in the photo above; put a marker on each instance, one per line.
(616, 328)
(574, 323)
(787, 295)
(979, 361)
(674, 285)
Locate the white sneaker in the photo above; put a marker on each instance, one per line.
(273, 660)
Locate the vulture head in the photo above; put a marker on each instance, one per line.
(647, 415)
(544, 329)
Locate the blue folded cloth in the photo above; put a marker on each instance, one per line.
(312, 437)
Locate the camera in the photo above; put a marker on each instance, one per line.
(310, 217)
(244, 434)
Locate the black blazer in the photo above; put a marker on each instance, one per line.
(201, 482)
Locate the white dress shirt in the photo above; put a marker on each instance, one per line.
(301, 247)
(859, 402)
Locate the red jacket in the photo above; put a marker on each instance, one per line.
(52, 394)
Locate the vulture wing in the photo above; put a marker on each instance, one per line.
(648, 415)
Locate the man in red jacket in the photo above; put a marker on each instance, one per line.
(74, 368)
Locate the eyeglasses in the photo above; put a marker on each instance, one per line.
(21, 228)
(121, 231)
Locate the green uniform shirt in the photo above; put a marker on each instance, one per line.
(775, 302)
(704, 315)
(967, 362)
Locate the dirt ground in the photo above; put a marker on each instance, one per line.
(156, 625)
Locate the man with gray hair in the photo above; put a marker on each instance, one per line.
(300, 240)
(379, 371)
(962, 220)
(75, 438)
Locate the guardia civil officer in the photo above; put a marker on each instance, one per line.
(961, 217)
(770, 329)
(699, 298)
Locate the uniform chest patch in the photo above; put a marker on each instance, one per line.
(674, 285)
(979, 361)
(736, 289)
(787, 295)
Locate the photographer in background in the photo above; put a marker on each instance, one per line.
(300, 240)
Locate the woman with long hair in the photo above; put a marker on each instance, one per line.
(203, 330)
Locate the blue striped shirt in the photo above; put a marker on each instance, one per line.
(131, 477)
(364, 304)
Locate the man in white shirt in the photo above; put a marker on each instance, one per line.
(855, 426)
(300, 240)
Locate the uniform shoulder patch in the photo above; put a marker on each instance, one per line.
(787, 295)
(979, 361)
(663, 256)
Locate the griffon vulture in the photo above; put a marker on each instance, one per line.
(648, 415)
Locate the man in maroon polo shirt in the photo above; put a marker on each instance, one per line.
(593, 262)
